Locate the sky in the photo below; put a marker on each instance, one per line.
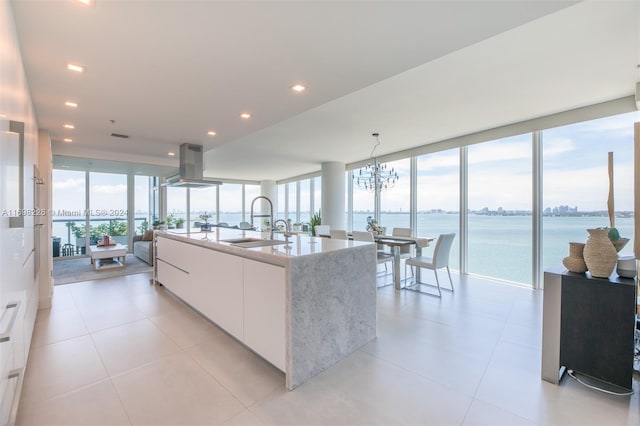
(574, 164)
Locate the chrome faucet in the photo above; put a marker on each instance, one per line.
(287, 229)
(270, 215)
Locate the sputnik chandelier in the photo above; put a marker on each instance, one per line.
(375, 176)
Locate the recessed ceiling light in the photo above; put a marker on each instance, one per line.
(67, 140)
(298, 88)
(76, 68)
(245, 115)
(211, 133)
(171, 154)
(69, 126)
(71, 104)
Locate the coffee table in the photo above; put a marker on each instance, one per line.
(108, 257)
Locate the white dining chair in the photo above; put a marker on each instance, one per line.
(323, 230)
(405, 251)
(381, 257)
(439, 260)
(338, 234)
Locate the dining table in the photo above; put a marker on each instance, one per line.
(395, 242)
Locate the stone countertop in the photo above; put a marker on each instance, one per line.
(279, 254)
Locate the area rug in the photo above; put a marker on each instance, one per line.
(67, 271)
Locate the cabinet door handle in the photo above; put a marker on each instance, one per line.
(6, 336)
(173, 266)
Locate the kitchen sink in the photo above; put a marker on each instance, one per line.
(253, 242)
(241, 240)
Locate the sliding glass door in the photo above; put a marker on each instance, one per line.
(108, 209)
(69, 209)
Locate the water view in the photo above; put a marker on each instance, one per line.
(499, 246)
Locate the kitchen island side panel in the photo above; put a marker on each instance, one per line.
(332, 304)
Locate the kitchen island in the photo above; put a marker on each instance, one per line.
(302, 306)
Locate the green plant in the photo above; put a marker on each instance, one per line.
(117, 227)
(316, 219)
(143, 227)
(171, 221)
(372, 225)
(99, 231)
(179, 222)
(78, 231)
(157, 223)
(114, 228)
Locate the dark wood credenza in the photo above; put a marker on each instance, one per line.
(588, 327)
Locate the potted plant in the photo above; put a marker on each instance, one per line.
(171, 221)
(157, 224)
(316, 219)
(372, 225)
(297, 226)
(206, 226)
(179, 223)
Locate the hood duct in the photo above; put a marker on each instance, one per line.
(191, 166)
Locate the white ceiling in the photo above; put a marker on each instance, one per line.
(416, 72)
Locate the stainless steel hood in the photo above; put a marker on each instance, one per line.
(191, 166)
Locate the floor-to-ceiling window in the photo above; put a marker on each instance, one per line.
(230, 203)
(281, 209)
(395, 202)
(317, 194)
(500, 208)
(143, 206)
(364, 205)
(292, 203)
(576, 182)
(202, 201)
(176, 205)
(438, 198)
(69, 210)
(108, 206)
(250, 193)
(304, 214)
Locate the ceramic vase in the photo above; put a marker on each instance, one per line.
(575, 261)
(599, 254)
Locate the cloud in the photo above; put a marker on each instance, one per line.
(109, 189)
(500, 151)
(68, 184)
(554, 146)
(441, 160)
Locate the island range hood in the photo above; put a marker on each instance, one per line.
(191, 166)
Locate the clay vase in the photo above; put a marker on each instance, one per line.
(599, 254)
(575, 261)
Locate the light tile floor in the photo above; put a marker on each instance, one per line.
(120, 351)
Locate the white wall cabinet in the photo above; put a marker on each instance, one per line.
(265, 311)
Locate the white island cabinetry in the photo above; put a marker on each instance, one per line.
(176, 265)
(302, 306)
(208, 280)
(265, 311)
(220, 290)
